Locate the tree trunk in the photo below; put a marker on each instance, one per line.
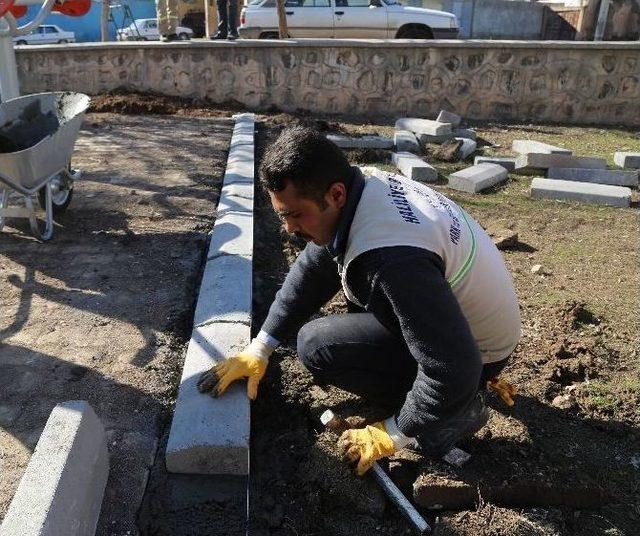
(104, 21)
(282, 20)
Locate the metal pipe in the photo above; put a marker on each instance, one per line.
(9, 87)
(44, 12)
(338, 424)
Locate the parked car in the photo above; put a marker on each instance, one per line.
(45, 34)
(368, 19)
(147, 30)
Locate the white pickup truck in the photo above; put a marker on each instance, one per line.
(368, 19)
(46, 34)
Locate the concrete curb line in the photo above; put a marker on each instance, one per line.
(211, 435)
(61, 490)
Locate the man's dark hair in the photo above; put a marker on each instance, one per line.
(306, 158)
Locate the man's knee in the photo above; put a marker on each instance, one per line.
(312, 347)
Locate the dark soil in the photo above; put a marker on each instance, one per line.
(558, 462)
(564, 460)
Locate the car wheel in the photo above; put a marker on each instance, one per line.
(183, 36)
(63, 42)
(415, 32)
(269, 35)
(21, 42)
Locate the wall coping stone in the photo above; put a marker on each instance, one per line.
(341, 43)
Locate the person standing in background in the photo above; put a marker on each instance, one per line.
(167, 12)
(227, 20)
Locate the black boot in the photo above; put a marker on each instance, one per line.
(218, 36)
(438, 442)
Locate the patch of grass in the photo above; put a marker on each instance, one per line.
(606, 395)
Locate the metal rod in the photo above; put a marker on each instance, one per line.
(338, 424)
(396, 496)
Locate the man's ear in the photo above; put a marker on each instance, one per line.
(336, 196)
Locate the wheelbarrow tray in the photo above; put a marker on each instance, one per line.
(44, 127)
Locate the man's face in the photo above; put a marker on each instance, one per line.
(306, 218)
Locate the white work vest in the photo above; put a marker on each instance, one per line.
(396, 211)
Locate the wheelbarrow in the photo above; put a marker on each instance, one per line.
(37, 136)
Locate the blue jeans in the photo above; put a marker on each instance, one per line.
(358, 354)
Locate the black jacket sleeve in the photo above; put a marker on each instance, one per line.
(405, 288)
(311, 282)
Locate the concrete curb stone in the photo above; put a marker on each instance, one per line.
(413, 167)
(210, 435)
(598, 176)
(530, 146)
(477, 178)
(627, 160)
(600, 194)
(62, 488)
(506, 162)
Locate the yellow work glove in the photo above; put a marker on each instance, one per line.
(366, 445)
(503, 389)
(251, 363)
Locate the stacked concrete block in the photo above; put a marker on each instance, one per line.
(423, 126)
(601, 194)
(61, 490)
(554, 160)
(364, 142)
(211, 435)
(406, 141)
(467, 148)
(413, 167)
(530, 146)
(465, 133)
(599, 176)
(449, 117)
(476, 178)
(627, 160)
(428, 138)
(505, 161)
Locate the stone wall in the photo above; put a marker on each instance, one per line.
(569, 82)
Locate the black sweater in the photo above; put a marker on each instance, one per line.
(405, 288)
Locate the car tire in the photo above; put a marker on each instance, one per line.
(63, 42)
(269, 35)
(21, 42)
(183, 36)
(414, 32)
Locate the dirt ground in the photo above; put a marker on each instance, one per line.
(565, 460)
(102, 311)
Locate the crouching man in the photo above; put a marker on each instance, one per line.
(435, 311)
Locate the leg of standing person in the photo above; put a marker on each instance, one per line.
(223, 20)
(172, 19)
(161, 14)
(233, 19)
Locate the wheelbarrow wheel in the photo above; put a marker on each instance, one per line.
(61, 198)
